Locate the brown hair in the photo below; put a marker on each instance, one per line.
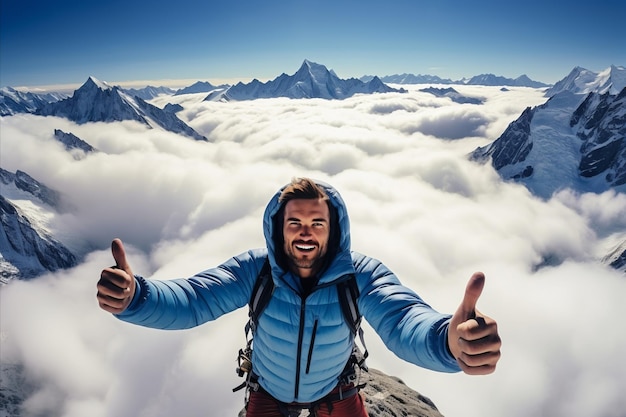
(302, 188)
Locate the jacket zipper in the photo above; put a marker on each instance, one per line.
(308, 359)
(300, 337)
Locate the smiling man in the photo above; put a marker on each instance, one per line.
(306, 233)
(303, 351)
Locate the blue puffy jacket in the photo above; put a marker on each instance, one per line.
(301, 344)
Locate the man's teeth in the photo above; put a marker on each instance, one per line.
(305, 247)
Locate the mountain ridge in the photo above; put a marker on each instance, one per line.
(96, 101)
(27, 249)
(311, 80)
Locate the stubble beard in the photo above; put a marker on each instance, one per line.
(302, 262)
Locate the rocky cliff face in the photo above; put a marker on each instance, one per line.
(387, 396)
(616, 258)
(600, 123)
(26, 248)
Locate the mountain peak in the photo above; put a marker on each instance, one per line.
(583, 81)
(97, 101)
(94, 82)
(312, 80)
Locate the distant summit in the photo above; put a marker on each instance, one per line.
(494, 80)
(149, 92)
(200, 87)
(13, 101)
(96, 101)
(409, 79)
(483, 79)
(582, 81)
(310, 81)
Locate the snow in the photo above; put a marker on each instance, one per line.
(100, 84)
(556, 149)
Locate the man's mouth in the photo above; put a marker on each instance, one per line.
(304, 247)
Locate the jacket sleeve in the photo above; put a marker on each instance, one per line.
(408, 326)
(186, 303)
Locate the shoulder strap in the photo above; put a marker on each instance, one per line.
(261, 295)
(348, 292)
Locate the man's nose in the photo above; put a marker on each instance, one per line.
(305, 230)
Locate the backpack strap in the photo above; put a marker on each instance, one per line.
(261, 295)
(348, 292)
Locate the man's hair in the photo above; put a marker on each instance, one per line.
(302, 188)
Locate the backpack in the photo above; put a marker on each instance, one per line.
(262, 291)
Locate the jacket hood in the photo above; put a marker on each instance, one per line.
(339, 246)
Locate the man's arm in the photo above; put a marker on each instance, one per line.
(177, 303)
(415, 332)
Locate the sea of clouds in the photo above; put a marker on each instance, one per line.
(415, 201)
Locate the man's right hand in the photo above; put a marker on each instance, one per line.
(116, 287)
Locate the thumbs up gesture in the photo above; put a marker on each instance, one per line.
(116, 286)
(473, 337)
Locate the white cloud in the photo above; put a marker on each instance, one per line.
(415, 202)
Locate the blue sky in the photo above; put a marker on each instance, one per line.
(46, 42)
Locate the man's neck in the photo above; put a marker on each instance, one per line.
(307, 285)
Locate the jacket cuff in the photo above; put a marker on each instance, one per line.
(142, 291)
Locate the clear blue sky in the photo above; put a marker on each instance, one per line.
(45, 42)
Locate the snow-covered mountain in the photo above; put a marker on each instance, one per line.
(149, 92)
(409, 79)
(27, 248)
(577, 139)
(310, 81)
(581, 81)
(96, 101)
(200, 87)
(13, 101)
(495, 80)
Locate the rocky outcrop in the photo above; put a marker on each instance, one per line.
(616, 258)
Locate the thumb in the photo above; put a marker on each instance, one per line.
(119, 254)
(472, 293)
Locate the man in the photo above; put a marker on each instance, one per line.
(302, 342)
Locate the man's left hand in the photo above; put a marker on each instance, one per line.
(473, 337)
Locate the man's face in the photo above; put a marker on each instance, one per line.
(306, 230)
